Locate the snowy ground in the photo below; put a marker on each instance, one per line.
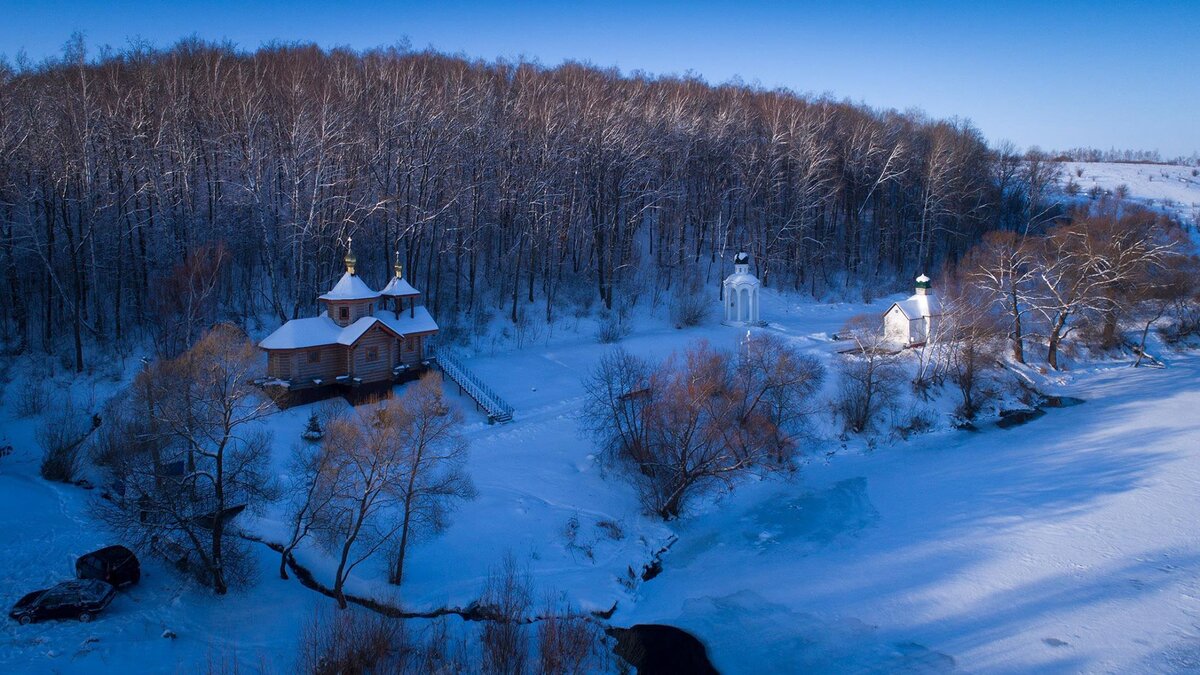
(1174, 189)
(1064, 545)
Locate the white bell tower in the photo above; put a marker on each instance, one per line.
(741, 294)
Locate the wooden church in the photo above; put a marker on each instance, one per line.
(363, 338)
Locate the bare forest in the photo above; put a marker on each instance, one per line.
(146, 194)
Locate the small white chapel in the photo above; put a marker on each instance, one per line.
(911, 322)
(741, 294)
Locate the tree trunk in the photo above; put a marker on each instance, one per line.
(1055, 339)
(1017, 339)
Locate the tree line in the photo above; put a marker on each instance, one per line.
(1122, 156)
(142, 186)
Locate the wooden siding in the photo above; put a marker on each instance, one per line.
(381, 368)
(331, 364)
(411, 354)
(358, 309)
(279, 365)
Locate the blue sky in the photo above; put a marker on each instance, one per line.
(1055, 74)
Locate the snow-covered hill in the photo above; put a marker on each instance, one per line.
(1168, 187)
(1065, 545)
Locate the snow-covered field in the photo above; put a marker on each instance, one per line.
(1168, 187)
(1068, 544)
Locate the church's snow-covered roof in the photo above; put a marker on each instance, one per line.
(350, 287)
(301, 333)
(919, 306)
(420, 322)
(399, 288)
(322, 331)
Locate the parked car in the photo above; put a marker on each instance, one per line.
(115, 564)
(80, 599)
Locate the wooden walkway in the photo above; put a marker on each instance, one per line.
(470, 384)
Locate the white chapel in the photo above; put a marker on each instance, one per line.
(741, 294)
(911, 322)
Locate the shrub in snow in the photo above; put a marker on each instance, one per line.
(612, 329)
(31, 397)
(690, 306)
(611, 529)
(61, 436)
(569, 643)
(919, 422)
(350, 642)
(868, 387)
(439, 652)
(507, 597)
(571, 532)
(869, 379)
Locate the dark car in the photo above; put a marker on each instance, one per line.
(115, 564)
(80, 599)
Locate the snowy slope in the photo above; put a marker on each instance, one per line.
(1162, 186)
(1064, 545)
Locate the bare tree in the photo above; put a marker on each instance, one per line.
(1005, 266)
(366, 462)
(1081, 263)
(869, 375)
(969, 332)
(433, 456)
(186, 301)
(313, 491)
(618, 391)
(700, 419)
(201, 459)
(1158, 289)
